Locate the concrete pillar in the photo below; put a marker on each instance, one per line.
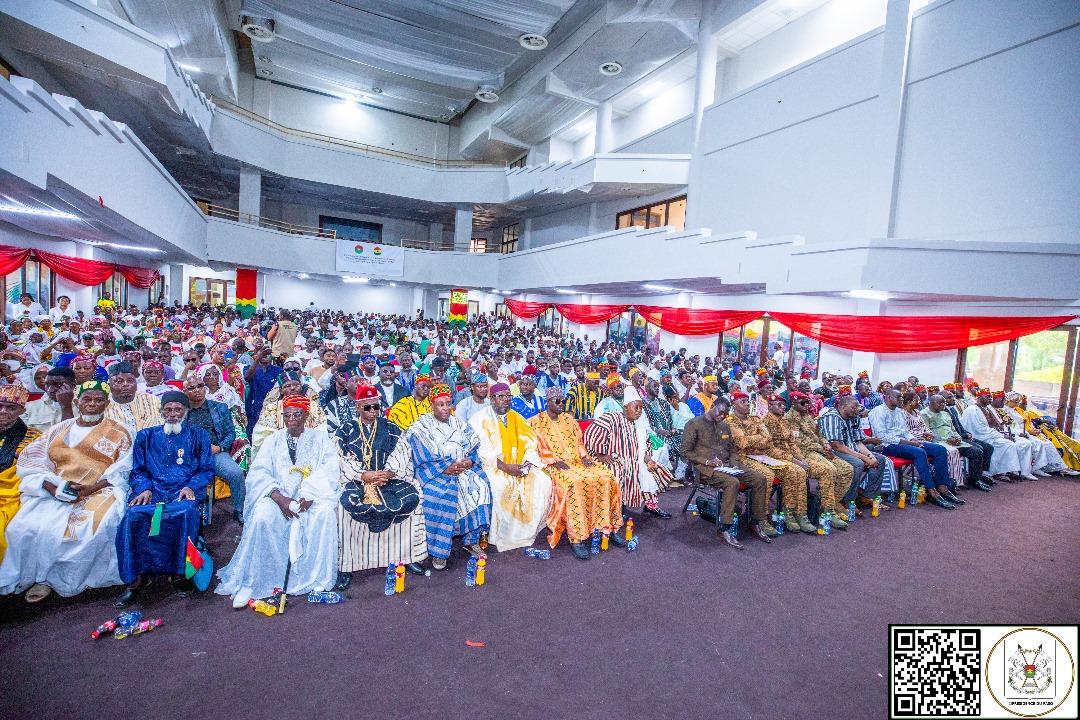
(462, 228)
(525, 239)
(260, 97)
(889, 128)
(176, 283)
(435, 231)
(417, 301)
(684, 300)
(250, 191)
(604, 139)
(704, 94)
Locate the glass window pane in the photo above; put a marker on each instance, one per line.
(622, 221)
(750, 352)
(32, 286)
(640, 218)
(1040, 367)
(14, 286)
(730, 343)
(46, 287)
(986, 365)
(806, 353)
(779, 349)
(677, 214)
(658, 215)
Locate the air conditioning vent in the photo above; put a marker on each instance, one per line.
(533, 41)
(258, 29)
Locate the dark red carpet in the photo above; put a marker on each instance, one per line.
(681, 628)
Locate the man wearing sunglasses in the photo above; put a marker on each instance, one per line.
(214, 417)
(379, 515)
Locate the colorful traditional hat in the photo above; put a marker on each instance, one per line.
(440, 391)
(297, 401)
(843, 390)
(366, 391)
(16, 394)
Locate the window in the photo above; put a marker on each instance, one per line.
(478, 245)
(520, 162)
(352, 229)
(629, 327)
(669, 212)
(510, 238)
(553, 321)
(502, 311)
(987, 364)
(750, 347)
(34, 278)
(117, 287)
(211, 291)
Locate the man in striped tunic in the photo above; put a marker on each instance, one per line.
(408, 410)
(584, 397)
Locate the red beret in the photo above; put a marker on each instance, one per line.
(798, 396)
(776, 398)
(764, 383)
(739, 395)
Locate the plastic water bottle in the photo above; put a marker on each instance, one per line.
(851, 512)
(825, 523)
(261, 606)
(596, 541)
(735, 525)
(877, 506)
(144, 626)
(605, 538)
(391, 574)
(780, 520)
(327, 597)
(124, 619)
(541, 554)
(399, 578)
(903, 499)
(470, 572)
(629, 529)
(631, 546)
(130, 619)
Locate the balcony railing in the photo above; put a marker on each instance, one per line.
(248, 219)
(343, 143)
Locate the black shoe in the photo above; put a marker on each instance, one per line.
(183, 587)
(580, 551)
(344, 579)
(618, 539)
(238, 518)
(979, 485)
(658, 513)
(951, 497)
(416, 568)
(131, 594)
(941, 502)
(725, 537)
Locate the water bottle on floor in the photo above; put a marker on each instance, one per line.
(326, 597)
(143, 626)
(825, 522)
(877, 506)
(390, 578)
(851, 512)
(735, 525)
(632, 545)
(595, 542)
(470, 572)
(781, 519)
(540, 554)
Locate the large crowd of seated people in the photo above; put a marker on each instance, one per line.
(344, 442)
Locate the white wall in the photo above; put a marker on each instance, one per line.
(934, 368)
(560, 226)
(349, 120)
(661, 111)
(290, 292)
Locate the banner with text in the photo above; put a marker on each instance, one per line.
(368, 258)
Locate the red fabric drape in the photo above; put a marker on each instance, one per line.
(12, 258)
(683, 321)
(893, 334)
(77, 270)
(526, 310)
(139, 277)
(590, 314)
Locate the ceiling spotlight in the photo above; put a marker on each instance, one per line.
(265, 72)
(265, 59)
(377, 90)
(393, 284)
(258, 29)
(566, 292)
(487, 94)
(533, 41)
(610, 68)
(303, 276)
(658, 288)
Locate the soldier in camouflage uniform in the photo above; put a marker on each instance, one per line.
(752, 437)
(834, 476)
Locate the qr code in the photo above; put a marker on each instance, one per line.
(935, 672)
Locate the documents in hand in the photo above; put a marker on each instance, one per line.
(768, 461)
(730, 470)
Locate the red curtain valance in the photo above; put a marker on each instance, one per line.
(685, 321)
(894, 334)
(77, 270)
(590, 314)
(526, 310)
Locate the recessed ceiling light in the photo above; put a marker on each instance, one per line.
(658, 288)
(265, 72)
(37, 211)
(566, 292)
(610, 68)
(258, 29)
(393, 284)
(487, 94)
(869, 294)
(533, 41)
(377, 90)
(303, 276)
(265, 59)
(355, 279)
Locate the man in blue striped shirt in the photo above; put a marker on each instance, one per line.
(839, 425)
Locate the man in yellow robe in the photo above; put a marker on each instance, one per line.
(585, 493)
(520, 490)
(14, 437)
(406, 410)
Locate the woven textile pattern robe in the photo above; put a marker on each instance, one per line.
(519, 504)
(404, 539)
(1070, 449)
(1044, 456)
(12, 442)
(68, 546)
(407, 411)
(269, 540)
(142, 412)
(453, 505)
(583, 498)
(154, 467)
(612, 434)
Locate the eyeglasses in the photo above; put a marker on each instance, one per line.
(195, 387)
(804, 402)
(369, 408)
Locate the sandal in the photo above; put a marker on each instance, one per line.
(37, 593)
(884, 507)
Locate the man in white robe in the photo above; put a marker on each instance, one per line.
(1044, 456)
(290, 514)
(1006, 459)
(520, 490)
(74, 487)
